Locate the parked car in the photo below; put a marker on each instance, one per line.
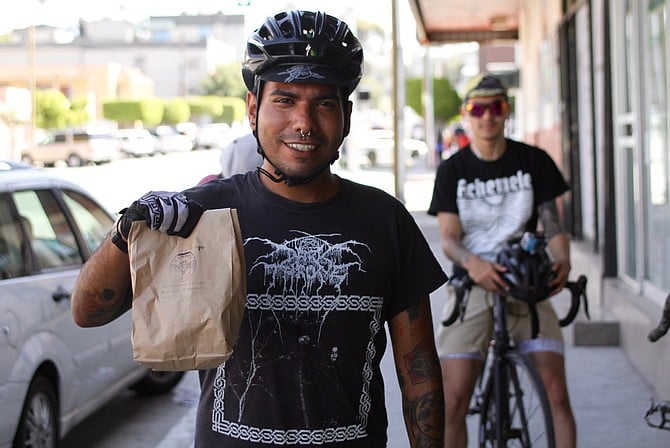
(212, 136)
(137, 142)
(53, 374)
(376, 147)
(169, 140)
(75, 147)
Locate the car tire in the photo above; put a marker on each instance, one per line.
(27, 160)
(157, 382)
(74, 160)
(38, 424)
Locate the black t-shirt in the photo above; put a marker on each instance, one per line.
(323, 279)
(495, 201)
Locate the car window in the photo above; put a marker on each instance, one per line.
(93, 222)
(12, 263)
(52, 239)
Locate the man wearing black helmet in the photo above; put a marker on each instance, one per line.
(329, 262)
(488, 193)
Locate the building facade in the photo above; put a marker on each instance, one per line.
(595, 77)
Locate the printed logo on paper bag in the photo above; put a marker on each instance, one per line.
(183, 266)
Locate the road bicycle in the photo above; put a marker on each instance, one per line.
(658, 414)
(510, 397)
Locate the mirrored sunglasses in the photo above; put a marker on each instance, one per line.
(497, 108)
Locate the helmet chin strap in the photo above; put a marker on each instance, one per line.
(279, 176)
(290, 181)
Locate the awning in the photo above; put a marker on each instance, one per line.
(450, 21)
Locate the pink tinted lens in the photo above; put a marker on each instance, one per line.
(478, 109)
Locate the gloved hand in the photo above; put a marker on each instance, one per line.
(170, 212)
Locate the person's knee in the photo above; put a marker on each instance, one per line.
(455, 406)
(557, 393)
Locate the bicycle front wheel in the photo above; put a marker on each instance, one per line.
(528, 420)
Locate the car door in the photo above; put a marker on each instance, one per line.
(38, 272)
(93, 223)
(81, 354)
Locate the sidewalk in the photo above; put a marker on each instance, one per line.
(609, 398)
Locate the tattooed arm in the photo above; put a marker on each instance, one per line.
(557, 242)
(483, 272)
(102, 292)
(419, 375)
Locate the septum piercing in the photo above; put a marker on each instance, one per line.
(303, 136)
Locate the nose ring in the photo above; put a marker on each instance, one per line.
(303, 136)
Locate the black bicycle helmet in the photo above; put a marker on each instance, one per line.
(528, 269)
(303, 46)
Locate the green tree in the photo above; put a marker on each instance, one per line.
(225, 81)
(78, 114)
(204, 106)
(51, 109)
(176, 110)
(234, 109)
(148, 111)
(446, 101)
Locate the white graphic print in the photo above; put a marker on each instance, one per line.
(295, 331)
(301, 72)
(493, 211)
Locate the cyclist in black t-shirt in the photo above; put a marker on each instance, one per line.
(329, 264)
(486, 194)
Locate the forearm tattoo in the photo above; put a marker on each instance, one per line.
(110, 305)
(549, 217)
(419, 366)
(425, 417)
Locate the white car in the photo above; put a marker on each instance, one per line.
(375, 147)
(137, 142)
(75, 147)
(213, 135)
(169, 140)
(53, 374)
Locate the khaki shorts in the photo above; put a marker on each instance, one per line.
(470, 338)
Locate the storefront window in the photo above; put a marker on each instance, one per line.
(657, 184)
(628, 158)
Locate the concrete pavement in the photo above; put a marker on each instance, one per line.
(609, 398)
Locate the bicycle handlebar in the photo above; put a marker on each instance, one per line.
(663, 326)
(462, 286)
(577, 290)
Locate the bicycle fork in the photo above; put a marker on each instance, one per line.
(500, 372)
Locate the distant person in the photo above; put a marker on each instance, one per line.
(462, 139)
(238, 157)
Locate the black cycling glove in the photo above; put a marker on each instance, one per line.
(169, 212)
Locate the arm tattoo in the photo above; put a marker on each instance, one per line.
(549, 217)
(426, 415)
(419, 366)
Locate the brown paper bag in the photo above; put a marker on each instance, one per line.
(188, 293)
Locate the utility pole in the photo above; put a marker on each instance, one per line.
(399, 156)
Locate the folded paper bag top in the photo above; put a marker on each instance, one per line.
(188, 293)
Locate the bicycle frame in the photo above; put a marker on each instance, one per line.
(509, 382)
(498, 388)
(500, 380)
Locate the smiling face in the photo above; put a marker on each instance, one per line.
(489, 126)
(300, 126)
